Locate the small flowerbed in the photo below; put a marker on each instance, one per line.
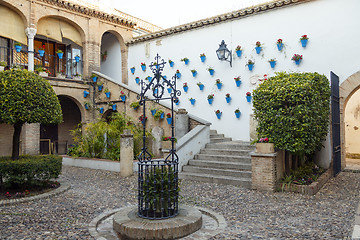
(14, 192)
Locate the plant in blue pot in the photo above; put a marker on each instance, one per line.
(114, 106)
(60, 53)
(169, 89)
(248, 96)
(211, 71)
(210, 98)
(201, 86)
(77, 58)
(258, 47)
(94, 77)
(107, 92)
(272, 62)
(194, 72)
(41, 50)
(143, 66)
(178, 74)
(169, 118)
(153, 111)
(101, 110)
(297, 58)
(250, 64)
(86, 93)
(87, 105)
(202, 57)
(192, 101)
(228, 98)
(159, 114)
(185, 87)
(237, 113)
(171, 63)
(185, 60)
(132, 69)
(137, 80)
(218, 114)
(280, 44)
(100, 86)
(238, 51)
(218, 83)
(142, 119)
(122, 96)
(237, 81)
(18, 47)
(135, 105)
(304, 40)
(148, 78)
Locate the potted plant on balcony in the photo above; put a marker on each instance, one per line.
(41, 50)
(18, 47)
(41, 71)
(60, 53)
(77, 58)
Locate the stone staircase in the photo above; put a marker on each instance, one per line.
(222, 161)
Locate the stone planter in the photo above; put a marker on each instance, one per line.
(265, 148)
(166, 144)
(43, 74)
(59, 75)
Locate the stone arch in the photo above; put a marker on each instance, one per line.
(346, 90)
(18, 11)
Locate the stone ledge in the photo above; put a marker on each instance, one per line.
(64, 186)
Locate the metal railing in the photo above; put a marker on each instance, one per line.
(52, 64)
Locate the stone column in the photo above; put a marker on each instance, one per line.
(157, 133)
(30, 33)
(181, 123)
(126, 154)
(30, 139)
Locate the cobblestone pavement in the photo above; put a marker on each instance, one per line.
(249, 214)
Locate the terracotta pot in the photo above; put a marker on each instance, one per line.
(265, 148)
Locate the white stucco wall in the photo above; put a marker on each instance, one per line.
(352, 124)
(112, 66)
(331, 25)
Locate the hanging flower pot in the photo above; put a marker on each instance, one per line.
(18, 47)
(132, 70)
(77, 59)
(41, 53)
(155, 91)
(178, 74)
(177, 103)
(280, 46)
(202, 57)
(272, 63)
(218, 114)
(94, 78)
(210, 100)
(250, 66)
(169, 120)
(169, 90)
(87, 106)
(143, 67)
(149, 78)
(237, 114)
(238, 83)
(100, 87)
(211, 71)
(228, 99)
(186, 88)
(101, 110)
(86, 93)
(304, 42)
(185, 60)
(258, 49)
(153, 111)
(60, 54)
(238, 53)
(123, 98)
(114, 107)
(297, 62)
(171, 63)
(162, 115)
(219, 85)
(297, 58)
(201, 86)
(137, 80)
(194, 73)
(192, 101)
(248, 98)
(108, 94)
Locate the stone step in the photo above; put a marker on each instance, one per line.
(213, 132)
(218, 140)
(229, 145)
(244, 182)
(217, 171)
(219, 164)
(231, 152)
(223, 158)
(217, 136)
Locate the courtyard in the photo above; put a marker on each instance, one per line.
(249, 214)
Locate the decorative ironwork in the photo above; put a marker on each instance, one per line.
(158, 189)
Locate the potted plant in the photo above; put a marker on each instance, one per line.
(201, 86)
(171, 63)
(159, 114)
(202, 57)
(114, 106)
(178, 74)
(60, 53)
(264, 146)
(87, 105)
(238, 50)
(211, 71)
(218, 83)
(228, 98)
(210, 98)
(143, 66)
(304, 40)
(122, 96)
(185, 60)
(237, 113)
(279, 44)
(297, 58)
(148, 78)
(142, 119)
(104, 56)
(185, 87)
(18, 47)
(153, 110)
(107, 92)
(194, 72)
(132, 69)
(94, 77)
(101, 110)
(2, 65)
(218, 114)
(248, 96)
(167, 143)
(272, 62)
(137, 80)
(192, 101)
(42, 71)
(237, 81)
(77, 58)
(169, 118)
(258, 47)
(86, 93)
(60, 74)
(135, 105)
(41, 50)
(169, 89)
(77, 76)
(100, 85)
(250, 64)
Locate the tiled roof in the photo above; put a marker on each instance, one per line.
(217, 19)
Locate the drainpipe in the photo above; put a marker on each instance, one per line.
(30, 33)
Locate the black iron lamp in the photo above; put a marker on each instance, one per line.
(223, 53)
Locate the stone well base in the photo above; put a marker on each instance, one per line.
(128, 225)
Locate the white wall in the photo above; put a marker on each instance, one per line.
(112, 66)
(331, 25)
(352, 124)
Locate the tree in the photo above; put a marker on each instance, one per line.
(293, 110)
(26, 97)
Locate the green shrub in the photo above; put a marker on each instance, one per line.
(293, 110)
(29, 170)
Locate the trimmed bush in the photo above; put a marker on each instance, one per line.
(29, 170)
(293, 111)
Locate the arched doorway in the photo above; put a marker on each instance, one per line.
(108, 114)
(57, 138)
(111, 64)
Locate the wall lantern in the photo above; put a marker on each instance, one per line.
(223, 53)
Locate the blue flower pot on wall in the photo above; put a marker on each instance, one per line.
(272, 64)
(192, 101)
(108, 94)
(143, 67)
(169, 90)
(237, 114)
(238, 53)
(132, 70)
(155, 91)
(60, 55)
(100, 88)
(177, 103)
(41, 53)
(250, 66)
(18, 48)
(203, 58)
(248, 98)
(258, 49)
(172, 64)
(211, 71)
(210, 100)
(280, 46)
(297, 62)
(169, 120)
(201, 86)
(186, 88)
(238, 83)
(101, 110)
(228, 99)
(219, 85)
(87, 107)
(114, 107)
(162, 115)
(186, 61)
(86, 93)
(178, 75)
(194, 73)
(77, 59)
(153, 111)
(304, 42)
(137, 80)
(218, 115)
(94, 79)
(123, 98)
(149, 79)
